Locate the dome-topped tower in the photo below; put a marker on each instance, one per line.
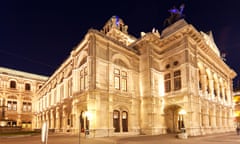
(115, 22)
(117, 30)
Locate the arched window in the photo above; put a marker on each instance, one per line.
(116, 120)
(125, 121)
(12, 84)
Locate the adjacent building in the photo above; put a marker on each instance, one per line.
(237, 107)
(17, 90)
(113, 83)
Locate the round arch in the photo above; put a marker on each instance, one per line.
(121, 60)
(120, 118)
(172, 118)
(82, 58)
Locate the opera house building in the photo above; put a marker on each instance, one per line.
(114, 84)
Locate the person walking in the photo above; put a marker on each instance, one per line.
(238, 130)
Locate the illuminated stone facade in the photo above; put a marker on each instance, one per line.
(17, 90)
(237, 108)
(114, 84)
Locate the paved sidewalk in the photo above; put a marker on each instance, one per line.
(229, 138)
(168, 138)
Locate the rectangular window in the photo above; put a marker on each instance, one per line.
(124, 81)
(29, 107)
(14, 106)
(117, 82)
(27, 87)
(177, 80)
(24, 107)
(70, 87)
(9, 105)
(117, 79)
(81, 80)
(120, 80)
(85, 78)
(167, 82)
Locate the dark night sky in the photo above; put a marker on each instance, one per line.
(37, 36)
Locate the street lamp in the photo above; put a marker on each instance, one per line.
(87, 117)
(181, 113)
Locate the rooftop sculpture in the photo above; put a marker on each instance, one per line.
(176, 14)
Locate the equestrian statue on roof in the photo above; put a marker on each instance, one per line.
(176, 14)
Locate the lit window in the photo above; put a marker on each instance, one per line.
(124, 81)
(120, 80)
(12, 105)
(117, 79)
(9, 105)
(27, 107)
(83, 78)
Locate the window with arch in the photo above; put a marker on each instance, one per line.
(13, 84)
(124, 121)
(116, 120)
(27, 87)
(120, 121)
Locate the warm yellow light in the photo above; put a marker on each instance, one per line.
(161, 86)
(88, 115)
(182, 112)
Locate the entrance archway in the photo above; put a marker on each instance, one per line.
(172, 118)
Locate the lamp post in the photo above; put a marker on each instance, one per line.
(79, 136)
(3, 121)
(88, 117)
(181, 113)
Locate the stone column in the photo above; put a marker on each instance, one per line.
(205, 117)
(52, 119)
(57, 126)
(220, 117)
(64, 120)
(204, 84)
(211, 88)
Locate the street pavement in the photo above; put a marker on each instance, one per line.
(226, 138)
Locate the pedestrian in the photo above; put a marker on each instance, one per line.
(238, 130)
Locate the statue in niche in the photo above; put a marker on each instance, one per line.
(176, 14)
